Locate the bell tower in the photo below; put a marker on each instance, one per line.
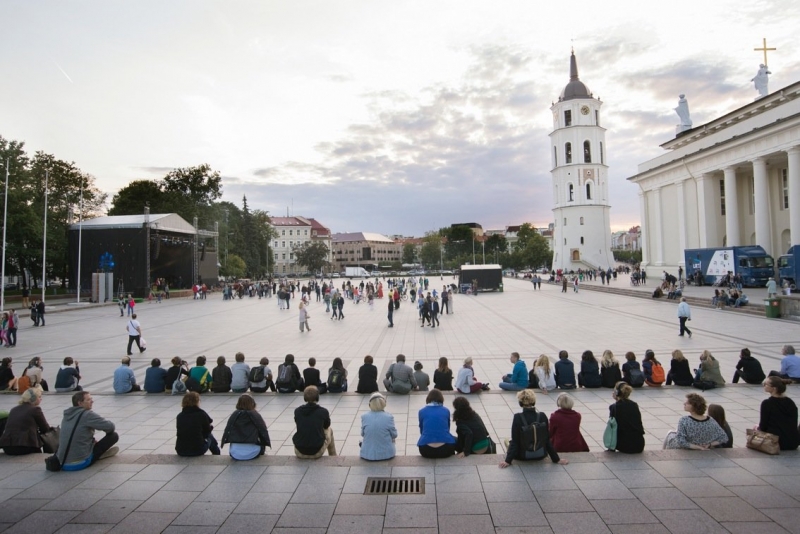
(582, 232)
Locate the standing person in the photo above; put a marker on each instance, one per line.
(390, 315)
(124, 378)
(518, 379)
(25, 294)
(193, 424)
(426, 312)
(367, 376)
(131, 304)
(396, 298)
(335, 297)
(684, 314)
(748, 369)
(84, 449)
(40, 313)
(539, 448)
(434, 313)
(134, 330)
(378, 431)
(466, 381)
(13, 322)
(68, 377)
(400, 377)
(443, 376)
(450, 300)
(122, 303)
(304, 315)
(445, 300)
(340, 306)
(314, 434)
(630, 432)
(779, 414)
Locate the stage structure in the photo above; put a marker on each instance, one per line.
(139, 249)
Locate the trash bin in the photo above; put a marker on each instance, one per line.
(773, 308)
(501, 288)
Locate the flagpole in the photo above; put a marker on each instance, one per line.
(44, 246)
(80, 240)
(5, 220)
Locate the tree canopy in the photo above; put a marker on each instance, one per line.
(311, 254)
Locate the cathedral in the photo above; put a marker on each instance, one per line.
(582, 230)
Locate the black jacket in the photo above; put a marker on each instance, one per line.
(311, 420)
(751, 369)
(779, 417)
(609, 376)
(590, 375)
(630, 432)
(221, 379)
(246, 426)
(367, 379)
(443, 381)
(514, 451)
(194, 426)
(469, 433)
(680, 373)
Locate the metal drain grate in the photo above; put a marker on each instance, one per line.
(395, 486)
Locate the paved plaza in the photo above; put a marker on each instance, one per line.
(147, 488)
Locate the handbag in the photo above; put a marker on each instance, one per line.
(761, 441)
(53, 463)
(49, 440)
(610, 434)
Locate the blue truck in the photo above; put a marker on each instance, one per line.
(707, 266)
(789, 267)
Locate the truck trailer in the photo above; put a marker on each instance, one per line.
(707, 266)
(789, 267)
(355, 272)
(488, 277)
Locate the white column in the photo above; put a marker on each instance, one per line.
(731, 208)
(681, 222)
(658, 228)
(794, 194)
(703, 211)
(643, 224)
(761, 205)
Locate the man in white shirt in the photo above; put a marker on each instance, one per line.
(134, 334)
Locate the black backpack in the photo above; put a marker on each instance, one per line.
(637, 378)
(335, 379)
(534, 437)
(284, 374)
(256, 374)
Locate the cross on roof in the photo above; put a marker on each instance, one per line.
(764, 49)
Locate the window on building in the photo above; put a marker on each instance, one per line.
(291, 256)
(275, 245)
(581, 221)
(283, 256)
(571, 191)
(568, 118)
(785, 189)
(306, 232)
(565, 241)
(283, 232)
(290, 232)
(568, 152)
(722, 197)
(587, 152)
(283, 244)
(597, 117)
(588, 190)
(602, 162)
(555, 157)
(752, 195)
(565, 221)
(581, 240)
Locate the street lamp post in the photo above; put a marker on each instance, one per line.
(44, 246)
(473, 249)
(5, 219)
(483, 244)
(80, 242)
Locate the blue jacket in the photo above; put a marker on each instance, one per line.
(124, 379)
(565, 373)
(379, 433)
(519, 375)
(434, 425)
(154, 380)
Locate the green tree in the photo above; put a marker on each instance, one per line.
(313, 255)
(496, 245)
(131, 199)
(430, 253)
(235, 268)
(459, 243)
(530, 250)
(193, 191)
(409, 253)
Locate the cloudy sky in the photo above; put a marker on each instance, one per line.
(369, 115)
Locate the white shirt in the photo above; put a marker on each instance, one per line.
(133, 327)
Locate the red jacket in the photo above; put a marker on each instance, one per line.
(565, 431)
